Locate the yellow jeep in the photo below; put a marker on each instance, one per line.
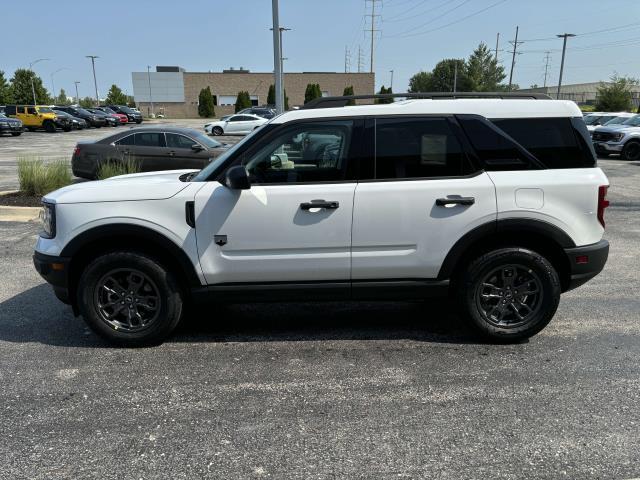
(33, 116)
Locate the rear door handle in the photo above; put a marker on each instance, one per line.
(329, 205)
(443, 202)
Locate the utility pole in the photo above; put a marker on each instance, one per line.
(33, 88)
(497, 43)
(359, 60)
(546, 66)
(347, 60)
(277, 57)
(150, 97)
(372, 30)
(515, 44)
(564, 36)
(95, 82)
(455, 77)
(77, 96)
(391, 86)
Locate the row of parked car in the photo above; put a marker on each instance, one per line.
(615, 134)
(15, 118)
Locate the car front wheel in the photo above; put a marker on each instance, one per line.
(509, 294)
(217, 131)
(129, 299)
(631, 151)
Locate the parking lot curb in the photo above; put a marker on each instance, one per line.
(19, 214)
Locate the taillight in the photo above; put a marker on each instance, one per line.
(76, 151)
(602, 202)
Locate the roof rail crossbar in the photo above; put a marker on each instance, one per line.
(328, 102)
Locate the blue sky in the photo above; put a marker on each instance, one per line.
(202, 35)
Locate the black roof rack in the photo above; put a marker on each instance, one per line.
(328, 102)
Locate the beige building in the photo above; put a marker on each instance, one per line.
(581, 93)
(174, 91)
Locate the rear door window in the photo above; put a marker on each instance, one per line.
(418, 148)
(175, 140)
(150, 139)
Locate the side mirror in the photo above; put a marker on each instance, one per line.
(196, 147)
(237, 178)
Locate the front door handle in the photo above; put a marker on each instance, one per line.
(329, 205)
(171, 153)
(443, 202)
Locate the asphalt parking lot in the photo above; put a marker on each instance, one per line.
(341, 390)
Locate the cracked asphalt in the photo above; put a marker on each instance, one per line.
(327, 391)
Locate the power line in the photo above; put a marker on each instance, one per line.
(395, 18)
(438, 17)
(478, 12)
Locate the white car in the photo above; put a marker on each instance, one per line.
(235, 125)
(498, 202)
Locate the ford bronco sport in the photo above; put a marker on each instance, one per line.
(496, 201)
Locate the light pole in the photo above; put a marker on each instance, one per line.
(564, 49)
(53, 86)
(150, 98)
(33, 88)
(95, 82)
(391, 86)
(77, 96)
(277, 57)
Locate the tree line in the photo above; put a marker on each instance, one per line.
(17, 90)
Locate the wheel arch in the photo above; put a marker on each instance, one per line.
(537, 235)
(106, 238)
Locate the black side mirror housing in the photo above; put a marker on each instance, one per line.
(196, 147)
(236, 178)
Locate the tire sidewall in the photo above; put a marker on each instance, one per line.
(170, 298)
(550, 284)
(217, 131)
(629, 145)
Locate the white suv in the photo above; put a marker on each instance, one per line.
(496, 201)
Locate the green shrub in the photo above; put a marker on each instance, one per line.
(38, 178)
(243, 100)
(115, 168)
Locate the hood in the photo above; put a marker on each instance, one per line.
(133, 187)
(617, 129)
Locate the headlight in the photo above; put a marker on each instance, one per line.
(5, 124)
(618, 136)
(48, 219)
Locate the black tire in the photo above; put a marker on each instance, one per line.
(217, 131)
(16, 134)
(31, 129)
(49, 126)
(67, 129)
(138, 122)
(631, 150)
(519, 313)
(118, 324)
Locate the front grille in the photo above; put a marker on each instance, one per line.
(602, 136)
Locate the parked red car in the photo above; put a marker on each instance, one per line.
(121, 116)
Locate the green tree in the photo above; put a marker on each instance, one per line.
(6, 96)
(62, 98)
(382, 92)
(441, 78)
(615, 96)
(483, 72)
(116, 96)
(271, 95)
(87, 102)
(21, 88)
(312, 92)
(349, 91)
(243, 100)
(205, 103)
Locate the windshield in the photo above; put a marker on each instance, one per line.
(213, 166)
(617, 121)
(126, 109)
(633, 121)
(206, 141)
(592, 119)
(45, 110)
(107, 110)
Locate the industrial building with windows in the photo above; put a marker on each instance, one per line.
(174, 92)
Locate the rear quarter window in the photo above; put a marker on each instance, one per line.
(555, 142)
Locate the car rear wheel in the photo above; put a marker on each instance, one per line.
(631, 151)
(49, 126)
(129, 299)
(509, 294)
(217, 131)
(16, 134)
